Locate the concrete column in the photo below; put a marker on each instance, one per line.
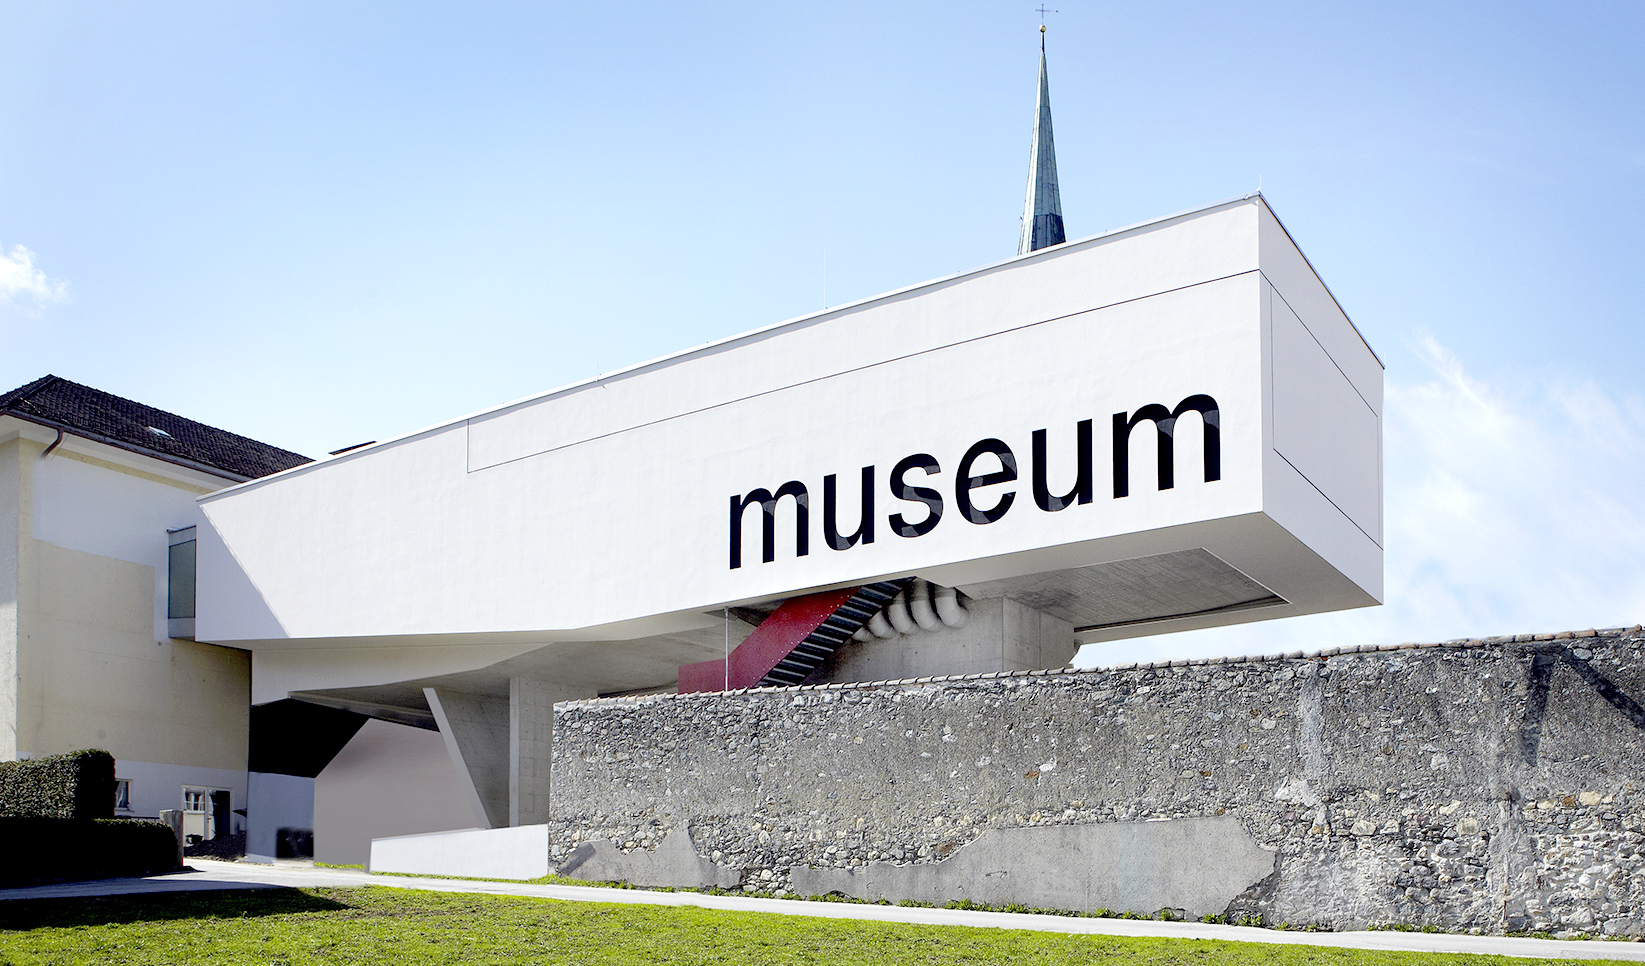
(531, 746)
(1033, 639)
(174, 818)
(530, 750)
(476, 732)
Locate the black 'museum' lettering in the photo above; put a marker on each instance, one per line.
(965, 482)
(1082, 482)
(865, 526)
(927, 464)
(1165, 422)
(768, 504)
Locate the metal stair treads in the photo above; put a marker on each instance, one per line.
(793, 641)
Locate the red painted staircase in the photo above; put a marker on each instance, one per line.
(794, 640)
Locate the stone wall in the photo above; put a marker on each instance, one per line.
(1491, 785)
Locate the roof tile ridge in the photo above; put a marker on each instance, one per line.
(23, 392)
(167, 412)
(149, 412)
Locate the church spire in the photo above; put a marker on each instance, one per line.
(1042, 212)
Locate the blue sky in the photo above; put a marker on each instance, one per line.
(319, 224)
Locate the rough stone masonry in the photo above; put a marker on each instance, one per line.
(1492, 785)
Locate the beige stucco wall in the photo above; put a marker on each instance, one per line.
(10, 514)
(95, 677)
(81, 665)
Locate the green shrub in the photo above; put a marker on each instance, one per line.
(78, 785)
(64, 849)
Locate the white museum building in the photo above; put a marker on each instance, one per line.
(1163, 427)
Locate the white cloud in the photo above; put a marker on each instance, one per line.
(1510, 508)
(21, 281)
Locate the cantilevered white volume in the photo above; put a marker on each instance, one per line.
(1168, 426)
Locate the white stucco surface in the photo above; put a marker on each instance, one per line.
(599, 512)
(277, 802)
(388, 780)
(156, 786)
(518, 852)
(95, 506)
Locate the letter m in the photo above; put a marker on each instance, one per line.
(768, 504)
(1165, 422)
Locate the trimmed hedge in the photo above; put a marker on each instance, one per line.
(78, 785)
(62, 849)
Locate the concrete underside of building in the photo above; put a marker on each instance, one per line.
(1492, 785)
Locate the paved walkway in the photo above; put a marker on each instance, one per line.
(209, 874)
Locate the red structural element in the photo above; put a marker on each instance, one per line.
(781, 632)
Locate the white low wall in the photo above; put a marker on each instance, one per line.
(390, 779)
(520, 852)
(276, 802)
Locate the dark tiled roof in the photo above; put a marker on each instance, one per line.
(84, 411)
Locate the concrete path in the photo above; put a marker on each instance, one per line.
(210, 874)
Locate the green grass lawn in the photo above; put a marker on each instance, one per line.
(396, 927)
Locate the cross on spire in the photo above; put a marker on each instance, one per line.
(1042, 10)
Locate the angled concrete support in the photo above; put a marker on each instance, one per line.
(476, 732)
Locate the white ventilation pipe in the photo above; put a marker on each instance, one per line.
(897, 613)
(919, 605)
(949, 609)
(877, 627)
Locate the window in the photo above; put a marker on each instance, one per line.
(122, 794)
(194, 799)
(180, 567)
(180, 583)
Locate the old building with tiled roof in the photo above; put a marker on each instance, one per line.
(97, 552)
(59, 404)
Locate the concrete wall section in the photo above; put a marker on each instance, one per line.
(279, 671)
(475, 728)
(389, 780)
(1494, 784)
(531, 748)
(277, 802)
(1192, 866)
